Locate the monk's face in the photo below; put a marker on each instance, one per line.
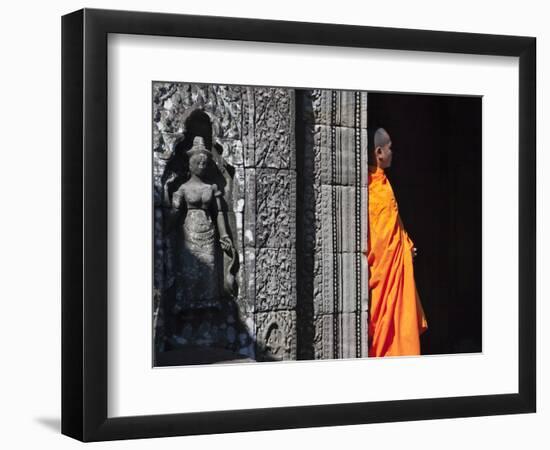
(384, 155)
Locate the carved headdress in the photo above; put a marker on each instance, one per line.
(199, 147)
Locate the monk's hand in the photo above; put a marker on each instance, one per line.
(414, 252)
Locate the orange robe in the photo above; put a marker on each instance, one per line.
(396, 317)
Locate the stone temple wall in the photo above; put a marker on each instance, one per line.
(181, 324)
(334, 285)
(300, 278)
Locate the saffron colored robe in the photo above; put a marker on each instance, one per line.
(396, 317)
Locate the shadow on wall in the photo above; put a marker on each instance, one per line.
(306, 229)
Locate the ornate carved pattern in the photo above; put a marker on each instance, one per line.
(311, 202)
(274, 127)
(329, 300)
(342, 155)
(275, 279)
(172, 102)
(338, 218)
(324, 337)
(275, 208)
(323, 345)
(276, 336)
(232, 151)
(338, 111)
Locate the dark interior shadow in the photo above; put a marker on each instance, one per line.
(305, 223)
(436, 177)
(195, 354)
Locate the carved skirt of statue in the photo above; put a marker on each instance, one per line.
(198, 253)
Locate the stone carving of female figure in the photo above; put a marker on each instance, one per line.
(202, 234)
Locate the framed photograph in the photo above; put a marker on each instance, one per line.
(273, 224)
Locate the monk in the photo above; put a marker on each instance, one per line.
(396, 317)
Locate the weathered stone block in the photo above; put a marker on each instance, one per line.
(232, 151)
(353, 329)
(248, 288)
(310, 192)
(274, 128)
(249, 224)
(343, 153)
(244, 300)
(323, 340)
(341, 335)
(158, 188)
(172, 103)
(235, 222)
(339, 108)
(234, 191)
(276, 336)
(342, 218)
(275, 279)
(248, 126)
(343, 282)
(275, 208)
(352, 109)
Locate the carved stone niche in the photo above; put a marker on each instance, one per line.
(204, 275)
(182, 112)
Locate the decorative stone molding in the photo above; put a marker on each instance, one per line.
(274, 128)
(334, 234)
(275, 208)
(275, 279)
(276, 336)
(327, 345)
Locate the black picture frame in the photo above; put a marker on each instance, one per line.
(84, 224)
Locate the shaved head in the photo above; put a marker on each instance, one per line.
(377, 138)
(379, 148)
(381, 138)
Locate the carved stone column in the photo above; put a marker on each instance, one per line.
(333, 224)
(270, 220)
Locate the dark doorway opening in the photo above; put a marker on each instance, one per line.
(436, 178)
